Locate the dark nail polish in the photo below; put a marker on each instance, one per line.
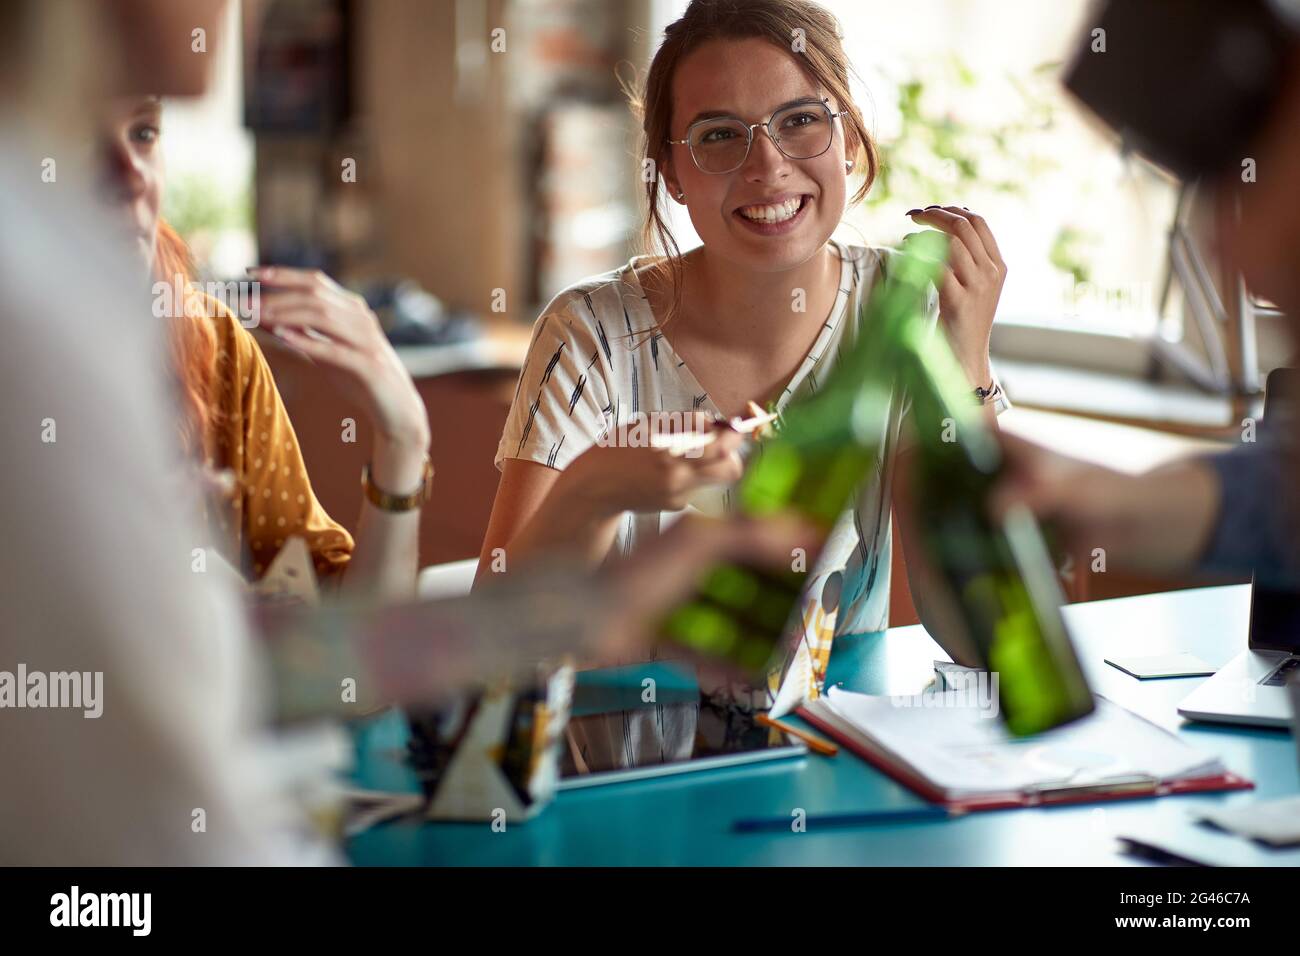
(911, 212)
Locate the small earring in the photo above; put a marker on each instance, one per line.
(681, 196)
(848, 165)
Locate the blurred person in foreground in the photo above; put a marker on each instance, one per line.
(96, 579)
(1197, 87)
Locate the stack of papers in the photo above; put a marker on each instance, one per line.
(956, 753)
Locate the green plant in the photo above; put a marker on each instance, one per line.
(942, 154)
(194, 205)
(1067, 255)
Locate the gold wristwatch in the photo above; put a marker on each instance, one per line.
(397, 504)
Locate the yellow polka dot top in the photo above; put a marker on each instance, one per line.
(250, 434)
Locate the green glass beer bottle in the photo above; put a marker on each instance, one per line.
(827, 444)
(997, 588)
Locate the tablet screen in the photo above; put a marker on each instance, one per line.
(653, 719)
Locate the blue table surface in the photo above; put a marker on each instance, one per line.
(687, 819)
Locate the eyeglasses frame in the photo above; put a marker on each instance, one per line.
(749, 132)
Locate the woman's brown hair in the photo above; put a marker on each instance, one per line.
(780, 22)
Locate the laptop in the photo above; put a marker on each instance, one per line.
(1252, 687)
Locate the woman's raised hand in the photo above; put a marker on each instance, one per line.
(337, 330)
(971, 286)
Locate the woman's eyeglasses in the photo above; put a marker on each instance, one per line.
(799, 131)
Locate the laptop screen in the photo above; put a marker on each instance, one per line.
(1274, 620)
(1275, 613)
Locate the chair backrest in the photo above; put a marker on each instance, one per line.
(467, 412)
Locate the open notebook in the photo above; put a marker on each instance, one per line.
(960, 755)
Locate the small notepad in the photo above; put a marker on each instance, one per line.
(1180, 664)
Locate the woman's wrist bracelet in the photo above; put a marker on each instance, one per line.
(397, 504)
(992, 395)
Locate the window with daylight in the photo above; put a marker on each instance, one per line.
(208, 155)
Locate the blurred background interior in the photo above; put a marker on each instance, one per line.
(461, 161)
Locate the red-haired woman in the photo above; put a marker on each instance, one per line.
(232, 418)
(759, 143)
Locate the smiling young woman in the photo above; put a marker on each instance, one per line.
(750, 125)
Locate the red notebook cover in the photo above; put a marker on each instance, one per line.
(1003, 801)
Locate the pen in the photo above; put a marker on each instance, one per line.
(1153, 853)
(815, 743)
(829, 820)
